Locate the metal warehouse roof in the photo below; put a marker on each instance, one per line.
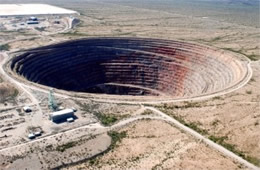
(62, 112)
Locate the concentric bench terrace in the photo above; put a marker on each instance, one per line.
(130, 66)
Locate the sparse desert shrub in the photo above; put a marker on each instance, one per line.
(248, 92)
(4, 47)
(192, 125)
(217, 98)
(184, 106)
(253, 160)
(195, 127)
(106, 119)
(252, 57)
(191, 104)
(232, 148)
(89, 107)
(7, 92)
(215, 123)
(116, 137)
(65, 146)
(147, 112)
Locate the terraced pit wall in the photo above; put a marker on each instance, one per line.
(131, 66)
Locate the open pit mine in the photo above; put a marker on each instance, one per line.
(131, 67)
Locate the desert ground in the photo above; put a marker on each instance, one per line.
(123, 135)
(168, 147)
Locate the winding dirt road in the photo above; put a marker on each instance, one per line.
(161, 116)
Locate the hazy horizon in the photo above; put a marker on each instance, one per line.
(243, 12)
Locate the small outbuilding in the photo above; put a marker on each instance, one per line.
(56, 22)
(31, 136)
(60, 108)
(74, 109)
(39, 133)
(69, 120)
(33, 19)
(27, 109)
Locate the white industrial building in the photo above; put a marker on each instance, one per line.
(33, 10)
(62, 115)
(32, 22)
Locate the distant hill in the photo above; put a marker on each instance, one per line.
(243, 2)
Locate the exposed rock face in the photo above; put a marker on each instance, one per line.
(131, 66)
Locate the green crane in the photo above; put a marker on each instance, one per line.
(52, 103)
